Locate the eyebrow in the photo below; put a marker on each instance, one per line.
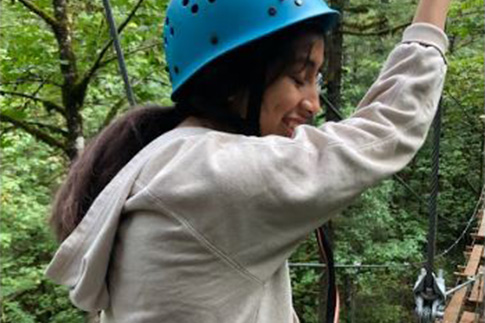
(305, 61)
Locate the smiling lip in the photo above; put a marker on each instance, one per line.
(292, 122)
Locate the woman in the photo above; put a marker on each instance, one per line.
(189, 214)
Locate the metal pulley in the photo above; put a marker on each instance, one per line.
(430, 296)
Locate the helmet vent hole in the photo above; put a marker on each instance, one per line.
(195, 9)
(176, 69)
(172, 31)
(167, 21)
(214, 40)
(212, 1)
(272, 11)
(185, 3)
(299, 3)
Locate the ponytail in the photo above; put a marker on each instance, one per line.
(207, 95)
(103, 158)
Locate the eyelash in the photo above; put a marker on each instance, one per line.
(298, 82)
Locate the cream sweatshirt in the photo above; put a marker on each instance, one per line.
(199, 225)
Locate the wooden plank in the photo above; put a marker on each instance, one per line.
(468, 317)
(476, 296)
(453, 310)
(474, 261)
(481, 231)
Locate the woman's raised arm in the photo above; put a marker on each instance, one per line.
(432, 12)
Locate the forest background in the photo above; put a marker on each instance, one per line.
(60, 85)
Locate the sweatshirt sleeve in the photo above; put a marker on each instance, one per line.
(252, 200)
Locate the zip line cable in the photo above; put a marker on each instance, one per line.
(395, 176)
(398, 178)
(119, 52)
(433, 199)
(401, 181)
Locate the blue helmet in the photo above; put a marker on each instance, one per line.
(196, 32)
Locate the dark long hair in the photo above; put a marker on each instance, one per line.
(206, 95)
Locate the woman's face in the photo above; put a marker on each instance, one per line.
(293, 98)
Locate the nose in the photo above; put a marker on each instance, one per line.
(311, 103)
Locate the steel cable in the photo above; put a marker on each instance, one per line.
(402, 182)
(433, 199)
(119, 52)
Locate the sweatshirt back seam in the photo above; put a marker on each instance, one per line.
(204, 241)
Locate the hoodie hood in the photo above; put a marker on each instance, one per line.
(82, 260)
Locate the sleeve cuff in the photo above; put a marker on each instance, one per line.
(426, 34)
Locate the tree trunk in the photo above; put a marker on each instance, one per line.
(72, 94)
(334, 58)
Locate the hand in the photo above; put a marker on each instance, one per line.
(432, 12)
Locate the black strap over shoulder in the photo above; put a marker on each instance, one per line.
(326, 256)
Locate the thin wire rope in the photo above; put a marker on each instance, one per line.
(467, 227)
(357, 266)
(119, 52)
(406, 264)
(465, 284)
(474, 213)
(433, 198)
(395, 176)
(387, 266)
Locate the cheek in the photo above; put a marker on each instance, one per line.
(278, 101)
(267, 120)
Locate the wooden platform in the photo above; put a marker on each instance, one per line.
(481, 230)
(469, 317)
(454, 307)
(474, 261)
(464, 305)
(476, 295)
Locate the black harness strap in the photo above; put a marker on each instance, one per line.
(326, 256)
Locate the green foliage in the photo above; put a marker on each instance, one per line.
(28, 170)
(386, 225)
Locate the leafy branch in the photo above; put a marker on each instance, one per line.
(36, 133)
(41, 13)
(131, 52)
(366, 26)
(117, 106)
(49, 105)
(382, 32)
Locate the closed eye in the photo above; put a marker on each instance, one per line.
(297, 80)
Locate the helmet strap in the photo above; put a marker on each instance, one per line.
(255, 101)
